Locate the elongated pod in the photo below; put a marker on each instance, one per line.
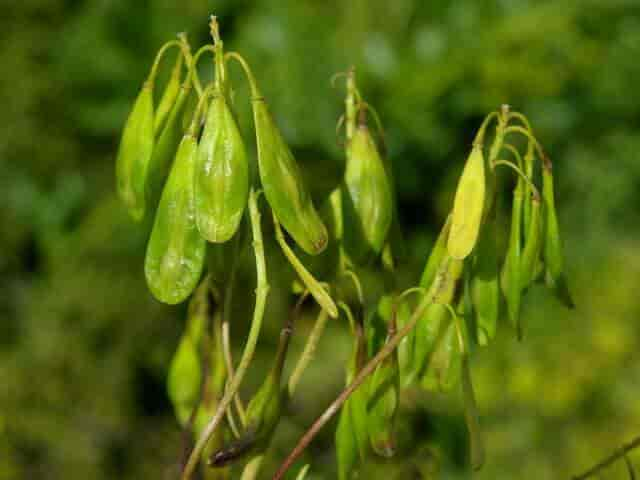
(134, 154)
(176, 251)
(369, 196)
(468, 206)
(283, 184)
(222, 174)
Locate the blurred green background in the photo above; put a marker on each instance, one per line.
(84, 348)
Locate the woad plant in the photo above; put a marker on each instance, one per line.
(183, 165)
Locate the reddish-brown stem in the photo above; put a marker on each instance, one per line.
(367, 370)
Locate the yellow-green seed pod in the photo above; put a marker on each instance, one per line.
(485, 285)
(169, 96)
(283, 184)
(346, 447)
(368, 199)
(510, 277)
(134, 154)
(533, 244)
(165, 148)
(176, 251)
(222, 174)
(468, 206)
(553, 256)
(185, 372)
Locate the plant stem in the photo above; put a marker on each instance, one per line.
(262, 290)
(309, 350)
(621, 452)
(367, 370)
(318, 292)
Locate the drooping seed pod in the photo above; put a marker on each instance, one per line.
(165, 148)
(553, 256)
(184, 382)
(346, 444)
(445, 362)
(169, 96)
(383, 401)
(510, 276)
(222, 174)
(432, 328)
(134, 154)
(283, 184)
(368, 199)
(485, 285)
(176, 251)
(468, 206)
(533, 244)
(263, 412)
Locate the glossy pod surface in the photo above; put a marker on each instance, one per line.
(485, 284)
(370, 195)
(222, 174)
(134, 154)
(468, 207)
(176, 251)
(283, 185)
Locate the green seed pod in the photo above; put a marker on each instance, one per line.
(185, 372)
(438, 252)
(176, 251)
(468, 206)
(165, 149)
(283, 184)
(134, 154)
(346, 446)
(485, 285)
(553, 256)
(533, 244)
(168, 96)
(222, 174)
(263, 412)
(384, 394)
(445, 362)
(431, 329)
(510, 281)
(368, 198)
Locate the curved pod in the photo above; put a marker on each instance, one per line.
(222, 175)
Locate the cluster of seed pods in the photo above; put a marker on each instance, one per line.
(183, 163)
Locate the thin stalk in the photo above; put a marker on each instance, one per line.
(350, 104)
(230, 371)
(522, 118)
(529, 135)
(522, 175)
(262, 290)
(479, 139)
(226, 344)
(194, 66)
(515, 153)
(309, 350)
(367, 370)
(159, 55)
(255, 93)
(319, 293)
(621, 452)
